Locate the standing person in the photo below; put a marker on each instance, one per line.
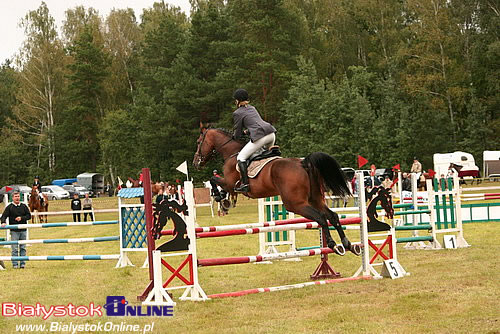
(76, 205)
(17, 213)
(354, 187)
(160, 197)
(87, 205)
(262, 134)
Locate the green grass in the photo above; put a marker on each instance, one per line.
(448, 291)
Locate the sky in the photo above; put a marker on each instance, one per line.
(12, 11)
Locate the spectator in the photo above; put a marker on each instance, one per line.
(17, 213)
(140, 178)
(76, 205)
(160, 197)
(406, 182)
(108, 189)
(416, 167)
(387, 182)
(87, 205)
(354, 187)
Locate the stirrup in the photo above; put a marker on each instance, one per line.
(244, 188)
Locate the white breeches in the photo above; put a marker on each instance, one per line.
(252, 147)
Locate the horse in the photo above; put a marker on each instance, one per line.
(462, 174)
(300, 183)
(155, 187)
(35, 205)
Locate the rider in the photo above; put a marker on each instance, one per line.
(216, 194)
(261, 133)
(38, 186)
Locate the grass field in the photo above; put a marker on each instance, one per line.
(448, 291)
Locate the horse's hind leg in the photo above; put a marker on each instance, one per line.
(333, 217)
(314, 214)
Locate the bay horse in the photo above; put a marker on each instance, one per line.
(35, 205)
(155, 187)
(300, 183)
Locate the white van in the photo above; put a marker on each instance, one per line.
(442, 162)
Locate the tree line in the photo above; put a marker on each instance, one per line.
(386, 79)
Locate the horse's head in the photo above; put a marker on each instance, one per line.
(205, 149)
(386, 202)
(34, 190)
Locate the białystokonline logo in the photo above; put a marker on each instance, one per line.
(39, 310)
(117, 306)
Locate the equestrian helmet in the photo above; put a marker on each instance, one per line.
(240, 94)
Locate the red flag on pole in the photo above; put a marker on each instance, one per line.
(396, 167)
(431, 173)
(7, 188)
(361, 161)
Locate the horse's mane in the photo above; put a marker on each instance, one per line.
(228, 133)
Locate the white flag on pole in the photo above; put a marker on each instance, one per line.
(183, 168)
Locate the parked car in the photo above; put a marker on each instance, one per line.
(381, 173)
(22, 188)
(349, 173)
(80, 190)
(55, 192)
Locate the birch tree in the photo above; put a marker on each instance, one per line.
(41, 63)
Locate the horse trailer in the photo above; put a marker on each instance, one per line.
(491, 164)
(92, 181)
(443, 161)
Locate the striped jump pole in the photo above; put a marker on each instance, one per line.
(47, 225)
(263, 257)
(286, 287)
(480, 197)
(60, 257)
(59, 241)
(346, 221)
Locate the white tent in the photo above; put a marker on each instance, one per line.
(491, 163)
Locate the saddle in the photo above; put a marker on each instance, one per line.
(258, 161)
(273, 151)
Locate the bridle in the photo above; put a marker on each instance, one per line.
(213, 152)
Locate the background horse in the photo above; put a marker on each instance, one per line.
(35, 205)
(300, 183)
(462, 174)
(155, 187)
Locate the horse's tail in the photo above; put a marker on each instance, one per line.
(325, 168)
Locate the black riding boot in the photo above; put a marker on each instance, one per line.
(244, 186)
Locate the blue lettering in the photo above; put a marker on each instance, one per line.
(156, 311)
(114, 306)
(168, 311)
(131, 310)
(148, 308)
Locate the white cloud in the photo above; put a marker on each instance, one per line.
(11, 13)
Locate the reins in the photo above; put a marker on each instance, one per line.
(214, 151)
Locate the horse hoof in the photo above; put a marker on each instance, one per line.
(356, 249)
(339, 250)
